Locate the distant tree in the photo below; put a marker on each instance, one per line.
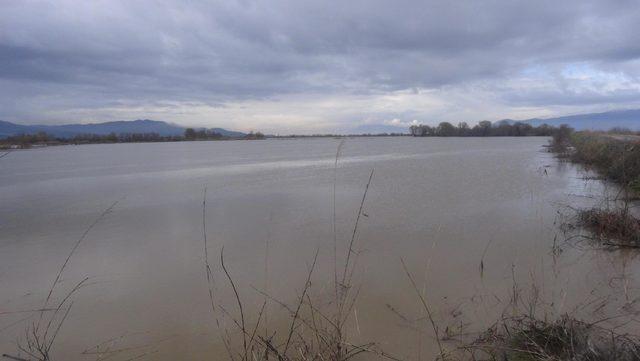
(189, 134)
(504, 129)
(213, 135)
(485, 128)
(414, 130)
(201, 134)
(446, 129)
(543, 130)
(463, 129)
(521, 129)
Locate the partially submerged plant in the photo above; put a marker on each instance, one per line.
(618, 160)
(40, 336)
(560, 142)
(316, 331)
(526, 338)
(614, 227)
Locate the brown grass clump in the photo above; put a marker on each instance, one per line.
(615, 227)
(528, 339)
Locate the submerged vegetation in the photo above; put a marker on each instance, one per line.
(525, 338)
(561, 141)
(615, 155)
(616, 227)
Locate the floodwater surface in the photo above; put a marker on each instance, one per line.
(476, 220)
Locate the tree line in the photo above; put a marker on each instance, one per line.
(190, 134)
(207, 134)
(483, 129)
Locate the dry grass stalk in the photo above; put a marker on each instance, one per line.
(312, 334)
(426, 308)
(40, 336)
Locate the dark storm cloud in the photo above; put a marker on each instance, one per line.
(66, 54)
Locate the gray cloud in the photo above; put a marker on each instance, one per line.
(57, 56)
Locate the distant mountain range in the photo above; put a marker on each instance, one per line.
(591, 121)
(120, 127)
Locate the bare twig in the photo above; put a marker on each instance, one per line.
(73, 250)
(355, 228)
(304, 292)
(335, 231)
(425, 305)
(238, 300)
(206, 249)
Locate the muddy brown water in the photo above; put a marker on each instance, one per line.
(438, 204)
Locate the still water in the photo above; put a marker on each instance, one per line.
(444, 206)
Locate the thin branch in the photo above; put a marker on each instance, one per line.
(235, 290)
(335, 231)
(206, 249)
(73, 250)
(304, 292)
(425, 306)
(355, 228)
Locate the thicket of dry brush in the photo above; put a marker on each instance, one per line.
(618, 160)
(524, 338)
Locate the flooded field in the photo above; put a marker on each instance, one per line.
(475, 220)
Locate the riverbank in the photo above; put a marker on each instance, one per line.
(616, 157)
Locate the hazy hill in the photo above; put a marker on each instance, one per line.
(593, 121)
(119, 127)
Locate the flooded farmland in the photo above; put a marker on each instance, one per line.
(475, 221)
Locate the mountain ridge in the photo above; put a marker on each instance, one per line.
(119, 127)
(587, 121)
(629, 118)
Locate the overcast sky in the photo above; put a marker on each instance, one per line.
(315, 66)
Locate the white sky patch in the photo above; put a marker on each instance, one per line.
(319, 113)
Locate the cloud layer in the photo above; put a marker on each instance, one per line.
(307, 66)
